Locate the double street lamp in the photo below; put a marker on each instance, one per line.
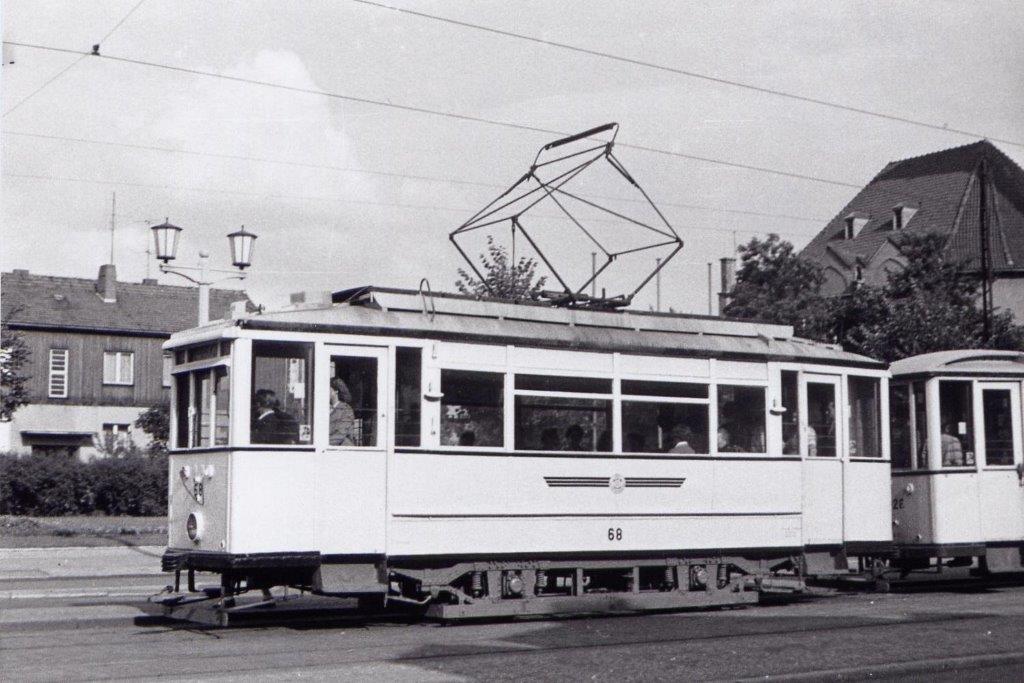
(241, 241)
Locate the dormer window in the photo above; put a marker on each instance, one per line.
(901, 215)
(855, 222)
(858, 273)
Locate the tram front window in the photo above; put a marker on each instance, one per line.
(865, 417)
(899, 426)
(956, 411)
(282, 385)
(471, 408)
(998, 407)
(741, 419)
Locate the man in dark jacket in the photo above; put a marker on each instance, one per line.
(270, 424)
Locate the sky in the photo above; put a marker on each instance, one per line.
(344, 193)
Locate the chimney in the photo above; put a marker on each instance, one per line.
(106, 283)
(728, 282)
(149, 281)
(311, 298)
(239, 309)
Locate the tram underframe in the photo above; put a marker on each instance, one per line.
(490, 589)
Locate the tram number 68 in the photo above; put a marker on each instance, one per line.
(614, 534)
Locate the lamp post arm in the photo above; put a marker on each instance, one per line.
(203, 281)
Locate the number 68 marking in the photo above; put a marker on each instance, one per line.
(614, 534)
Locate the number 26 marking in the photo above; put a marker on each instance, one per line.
(615, 534)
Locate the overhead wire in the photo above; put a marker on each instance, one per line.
(686, 72)
(437, 112)
(342, 200)
(73, 64)
(386, 174)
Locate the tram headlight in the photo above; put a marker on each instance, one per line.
(194, 526)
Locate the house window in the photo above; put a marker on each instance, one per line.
(118, 367)
(117, 434)
(858, 273)
(167, 368)
(897, 218)
(848, 233)
(58, 382)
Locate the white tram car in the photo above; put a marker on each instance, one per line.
(958, 477)
(487, 458)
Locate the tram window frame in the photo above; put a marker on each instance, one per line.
(447, 376)
(857, 423)
(721, 390)
(408, 396)
(919, 433)
(901, 449)
(291, 350)
(966, 433)
(789, 398)
(987, 389)
(200, 390)
(560, 392)
(667, 397)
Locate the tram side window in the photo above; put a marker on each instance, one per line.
(998, 407)
(956, 413)
(920, 425)
(790, 418)
(282, 385)
(649, 427)
(741, 419)
(552, 423)
(865, 417)
(899, 426)
(408, 395)
(472, 408)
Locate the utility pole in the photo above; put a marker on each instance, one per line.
(986, 255)
(657, 285)
(593, 274)
(113, 222)
(711, 289)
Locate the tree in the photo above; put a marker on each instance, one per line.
(156, 421)
(503, 279)
(775, 285)
(14, 358)
(929, 305)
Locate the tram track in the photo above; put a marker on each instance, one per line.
(315, 646)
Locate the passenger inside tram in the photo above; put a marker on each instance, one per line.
(342, 419)
(680, 438)
(574, 438)
(952, 452)
(270, 424)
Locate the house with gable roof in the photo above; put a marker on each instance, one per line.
(938, 193)
(96, 357)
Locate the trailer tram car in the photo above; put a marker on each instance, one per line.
(958, 477)
(484, 458)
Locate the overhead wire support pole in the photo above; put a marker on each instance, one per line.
(986, 252)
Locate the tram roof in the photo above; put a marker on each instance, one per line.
(961, 362)
(451, 317)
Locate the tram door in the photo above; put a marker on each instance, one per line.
(1001, 484)
(352, 457)
(823, 459)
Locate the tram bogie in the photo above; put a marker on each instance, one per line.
(483, 458)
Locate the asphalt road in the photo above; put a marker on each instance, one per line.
(85, 629)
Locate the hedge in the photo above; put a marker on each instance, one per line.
(47, 485)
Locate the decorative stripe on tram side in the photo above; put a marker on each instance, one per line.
(601, 482)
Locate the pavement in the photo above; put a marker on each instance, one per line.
(59, 625)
